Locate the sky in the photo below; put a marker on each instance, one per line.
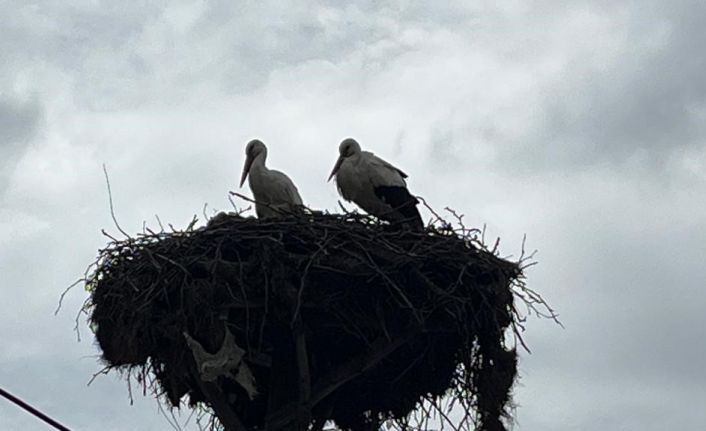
(579, 124)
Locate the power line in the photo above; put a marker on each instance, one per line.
(32, 410)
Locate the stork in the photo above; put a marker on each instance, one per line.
(376, 186)
(275, 194)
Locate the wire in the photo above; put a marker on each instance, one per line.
(32, 410)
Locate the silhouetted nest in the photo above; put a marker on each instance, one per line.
(340, 318)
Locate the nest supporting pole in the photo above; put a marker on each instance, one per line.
(217, 400)
(304, 376)
(379, 350)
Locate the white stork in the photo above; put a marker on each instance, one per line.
(374, 185)
(275, 194)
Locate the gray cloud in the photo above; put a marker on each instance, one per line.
(550, 88)
(164, 54)
(622, 267)
(20, 121)
(648, 98)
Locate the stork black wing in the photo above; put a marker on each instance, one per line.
(403, 203)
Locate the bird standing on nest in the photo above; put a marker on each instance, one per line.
(275, 194)
(375, 185)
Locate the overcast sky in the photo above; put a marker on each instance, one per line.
(581, 124)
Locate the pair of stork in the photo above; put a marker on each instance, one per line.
(373, 184)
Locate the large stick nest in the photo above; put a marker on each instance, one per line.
(393, 321)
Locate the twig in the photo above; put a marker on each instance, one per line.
(275, 209)
(61, 298)
(159, 222)
(110, 200)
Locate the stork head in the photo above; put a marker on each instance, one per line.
(254, 149)
(348, 148)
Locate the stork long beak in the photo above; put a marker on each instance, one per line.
(336, 167)
(246, 170)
